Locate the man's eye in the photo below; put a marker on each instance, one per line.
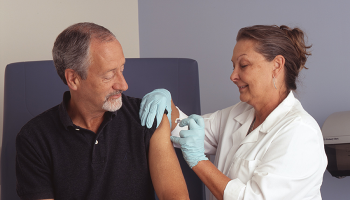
(108, 78)
(243, 66)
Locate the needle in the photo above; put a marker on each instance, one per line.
(178, 120)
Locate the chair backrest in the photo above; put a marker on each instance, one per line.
(33, 87)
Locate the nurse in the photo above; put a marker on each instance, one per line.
(266, 146)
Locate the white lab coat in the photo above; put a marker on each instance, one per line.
(283, 158)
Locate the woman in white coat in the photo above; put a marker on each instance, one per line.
(267, 146)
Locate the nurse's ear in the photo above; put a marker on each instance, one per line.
(278, 65)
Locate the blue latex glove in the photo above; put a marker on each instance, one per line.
(153, 105)
(192, 140)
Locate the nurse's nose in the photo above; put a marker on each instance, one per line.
(234, 76)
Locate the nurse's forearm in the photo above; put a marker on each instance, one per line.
(215, 180)
(174, 115)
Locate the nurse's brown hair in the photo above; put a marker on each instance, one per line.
(280, 40)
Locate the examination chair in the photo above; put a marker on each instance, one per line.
(33, 87)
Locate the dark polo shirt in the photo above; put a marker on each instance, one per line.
(57, 159)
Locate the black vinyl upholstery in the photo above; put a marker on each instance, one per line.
(33, 87)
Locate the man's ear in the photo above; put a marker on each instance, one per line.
(278, 67)
(72, 78)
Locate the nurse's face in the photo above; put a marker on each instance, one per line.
(251, 73)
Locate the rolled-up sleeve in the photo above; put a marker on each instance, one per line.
(177, 129)
(211, 128)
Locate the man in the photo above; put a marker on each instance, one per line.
(89, 146)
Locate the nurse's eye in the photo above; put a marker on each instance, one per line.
(243, 66)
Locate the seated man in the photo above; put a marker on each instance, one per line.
(89, 146)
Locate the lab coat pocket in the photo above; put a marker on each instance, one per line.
(243, 169)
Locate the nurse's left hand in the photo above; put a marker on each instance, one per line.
(153, 105)
(192, 140)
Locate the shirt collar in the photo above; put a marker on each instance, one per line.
(67, 121)
(274, 117)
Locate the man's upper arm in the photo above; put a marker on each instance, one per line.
(33, 176)
(166, 174)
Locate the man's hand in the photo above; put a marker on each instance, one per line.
(192, 140)
(153, 105)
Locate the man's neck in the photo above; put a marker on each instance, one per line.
(82, 116)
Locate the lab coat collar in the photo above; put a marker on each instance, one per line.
(274, 117)
(246, 115)
(278, 113)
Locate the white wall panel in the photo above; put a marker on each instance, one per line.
(28, 29)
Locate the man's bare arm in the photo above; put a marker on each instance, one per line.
(174, 115)
(166, 174)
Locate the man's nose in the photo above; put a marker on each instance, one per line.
(120, 83)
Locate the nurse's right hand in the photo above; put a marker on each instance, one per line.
(192, 140)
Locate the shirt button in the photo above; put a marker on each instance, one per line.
(96, 142)
(77, 129)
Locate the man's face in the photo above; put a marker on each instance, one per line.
(101, 91)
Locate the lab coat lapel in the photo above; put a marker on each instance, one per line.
(245, 119)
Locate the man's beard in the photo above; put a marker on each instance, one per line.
(111, 104)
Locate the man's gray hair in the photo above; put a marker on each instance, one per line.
(71, 48)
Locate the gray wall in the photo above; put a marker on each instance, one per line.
(206, 31)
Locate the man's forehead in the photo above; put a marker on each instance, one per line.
(112, 49)
(96, 43)
(105, 56)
